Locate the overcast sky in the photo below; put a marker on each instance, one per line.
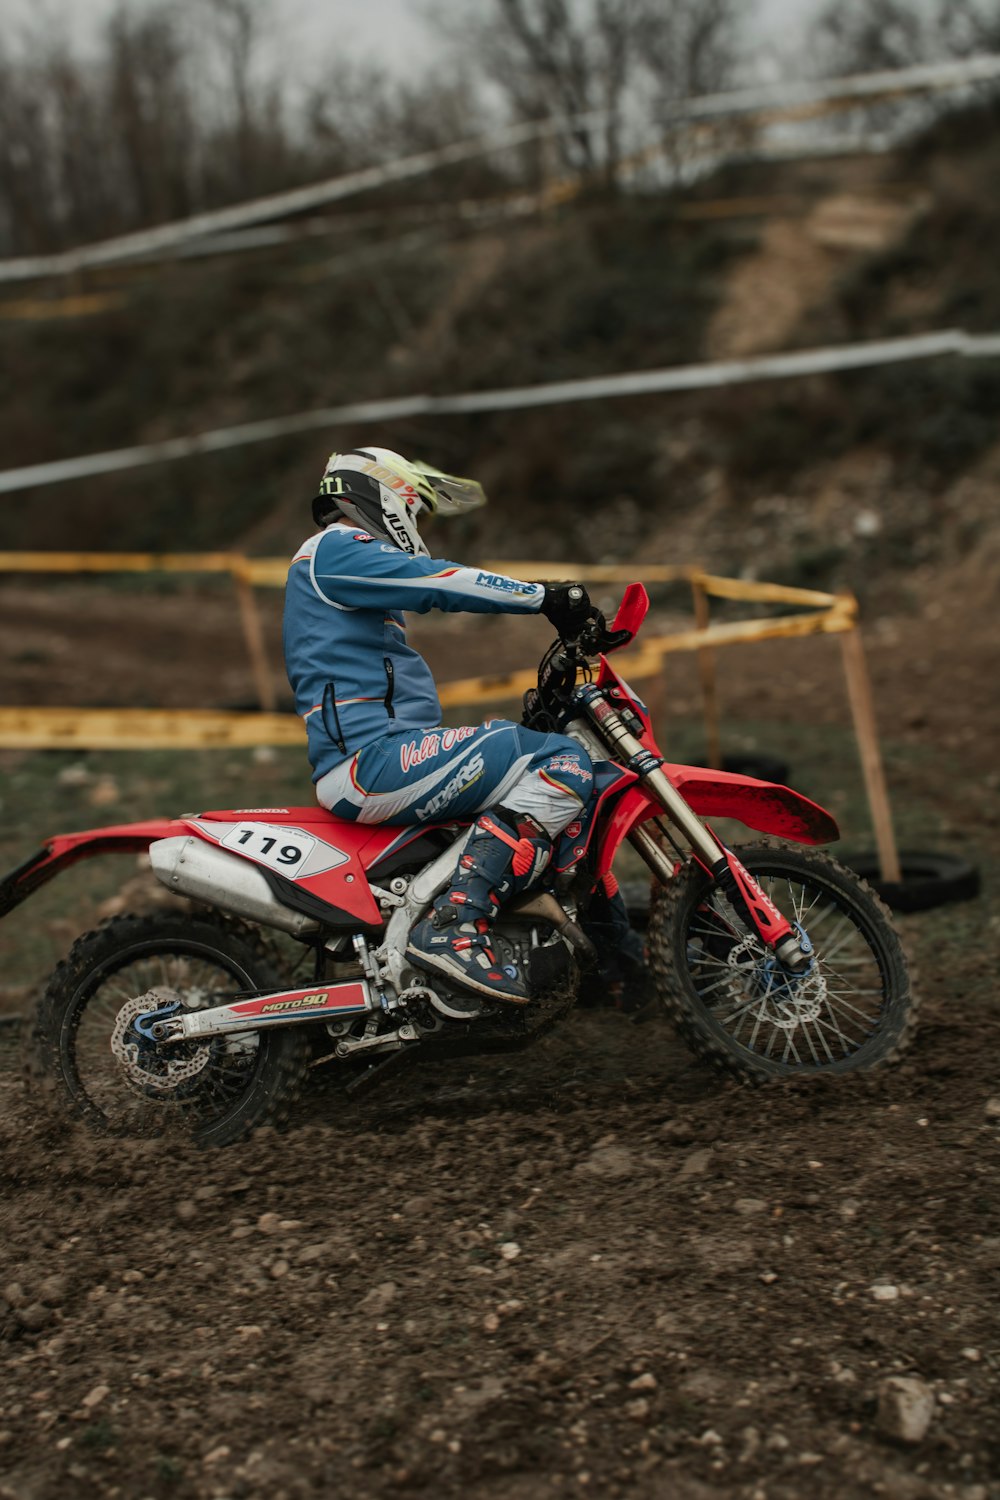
(393, 31)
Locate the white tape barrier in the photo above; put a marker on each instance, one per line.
(279, 205)
(773, 96)
(944, 75)
(638, 383)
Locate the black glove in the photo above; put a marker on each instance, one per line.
(568, 606)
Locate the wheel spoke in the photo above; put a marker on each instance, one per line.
(708, 989)
(822, 1038)
(205, 1096)
(847, 1017)
(830, 952)
(734, 992)
(845, 1041)
(790, 1047)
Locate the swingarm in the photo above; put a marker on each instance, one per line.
(163, 1019)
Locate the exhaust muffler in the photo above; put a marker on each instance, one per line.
(194, 868)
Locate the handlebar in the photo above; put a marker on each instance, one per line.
(595, 638)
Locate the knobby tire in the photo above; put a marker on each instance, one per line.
(262, 1091)
(715, 1004)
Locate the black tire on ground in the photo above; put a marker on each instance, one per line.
(852, 1011)
(753, 763)
(241, 1083)
(929, 880)
(761, 767)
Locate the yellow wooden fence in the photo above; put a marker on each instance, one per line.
(129, 729)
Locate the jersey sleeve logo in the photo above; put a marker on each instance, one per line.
(504, 585)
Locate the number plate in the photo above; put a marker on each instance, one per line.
(290, 851)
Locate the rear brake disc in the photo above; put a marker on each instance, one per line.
(150, 1070)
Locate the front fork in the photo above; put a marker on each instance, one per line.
(756, 908)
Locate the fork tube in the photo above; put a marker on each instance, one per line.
(703, 843)
(705, 846)
(649, 851)
(707, 850)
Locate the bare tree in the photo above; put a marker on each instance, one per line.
(369, 115)
(180, 108)
(93, 146)
(554, 58)
(616, 61)
(151, 109)
(24, 165)
(692, 46)
(862, 36)
(969, 26)
(858, 36)
(245, 103)
(175, 112)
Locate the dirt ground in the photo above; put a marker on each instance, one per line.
(592, 1269)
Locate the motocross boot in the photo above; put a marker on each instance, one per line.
(504, 853)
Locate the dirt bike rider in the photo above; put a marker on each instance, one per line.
(376, 744)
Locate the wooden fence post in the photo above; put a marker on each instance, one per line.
(254, 635)
(859, 691)
(706, 671)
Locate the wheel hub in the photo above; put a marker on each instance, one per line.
(149, 1070)
(789, 1000)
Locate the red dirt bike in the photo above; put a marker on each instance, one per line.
(773, 962)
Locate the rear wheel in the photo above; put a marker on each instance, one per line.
(740, 1010)
(217, 1089)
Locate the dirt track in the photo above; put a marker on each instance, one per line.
(689, 1310)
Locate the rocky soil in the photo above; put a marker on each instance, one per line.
(602, 1271)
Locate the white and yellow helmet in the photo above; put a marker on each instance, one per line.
(383, 493)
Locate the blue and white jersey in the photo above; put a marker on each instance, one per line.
(353, 675)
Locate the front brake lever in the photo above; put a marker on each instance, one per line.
(595, 639)
(576, 652)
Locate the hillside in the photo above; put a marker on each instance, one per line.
(847, 479)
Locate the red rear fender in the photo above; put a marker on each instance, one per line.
(354, 848)
(313, 813)
(67, 849)
(321, 857)
(367, 842)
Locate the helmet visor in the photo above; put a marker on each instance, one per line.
(452, 495)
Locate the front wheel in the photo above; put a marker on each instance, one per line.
(740, 1010)
(216, 1089)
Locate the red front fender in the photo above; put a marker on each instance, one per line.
(68, 848)
(761, 805)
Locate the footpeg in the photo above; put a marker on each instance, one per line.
(389, 1041)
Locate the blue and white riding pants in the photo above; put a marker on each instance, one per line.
(435, 775)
